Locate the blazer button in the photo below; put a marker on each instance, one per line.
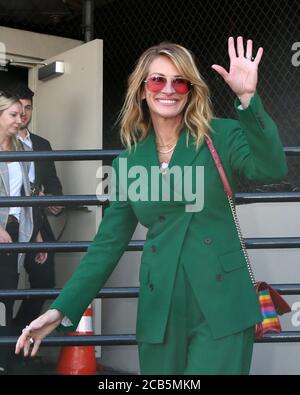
(219, 277)
(153, 248)
(151, 287)
(207, 241)
(161, 218)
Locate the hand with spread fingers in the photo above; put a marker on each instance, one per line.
(34, 333)
(243, 70)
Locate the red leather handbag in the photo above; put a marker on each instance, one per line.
(270, 301)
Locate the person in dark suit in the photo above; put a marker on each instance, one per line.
(42, 174)
(197, 307)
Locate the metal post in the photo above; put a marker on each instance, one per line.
(88, 23)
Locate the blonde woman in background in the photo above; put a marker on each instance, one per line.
(16, 223)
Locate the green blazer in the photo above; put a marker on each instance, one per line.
(204, 241)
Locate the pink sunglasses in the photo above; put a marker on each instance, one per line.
(156, 83)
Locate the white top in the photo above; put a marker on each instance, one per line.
(27, 141)
(15, 185)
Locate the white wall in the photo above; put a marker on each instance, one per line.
(24, 45)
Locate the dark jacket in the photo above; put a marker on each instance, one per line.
(46, 177)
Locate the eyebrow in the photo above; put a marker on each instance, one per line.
(164, 75)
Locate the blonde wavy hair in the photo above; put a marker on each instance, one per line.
(134, 117)
(7, 101)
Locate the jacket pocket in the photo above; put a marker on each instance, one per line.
(232, 261)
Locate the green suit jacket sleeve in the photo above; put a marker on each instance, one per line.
(111, 240)
(253, 145)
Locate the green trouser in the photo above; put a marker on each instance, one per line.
(189, 347)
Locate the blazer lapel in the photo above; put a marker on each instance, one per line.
(4, 176)
(146, 154)
(185, 151)
(184, 154)
(25, 170)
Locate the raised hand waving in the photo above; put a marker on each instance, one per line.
(243, 71)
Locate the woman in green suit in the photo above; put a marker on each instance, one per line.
(197, 306)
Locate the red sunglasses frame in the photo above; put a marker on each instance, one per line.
(156, 83)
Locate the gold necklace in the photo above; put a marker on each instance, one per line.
(167, 151)
(166, 145)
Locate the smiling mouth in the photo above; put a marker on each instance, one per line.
(167, 101)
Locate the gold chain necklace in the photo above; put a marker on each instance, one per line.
(166, 145)
(167, 151)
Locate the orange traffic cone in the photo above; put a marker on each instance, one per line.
(79, 359)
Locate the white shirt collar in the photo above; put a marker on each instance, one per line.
(27, 138)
